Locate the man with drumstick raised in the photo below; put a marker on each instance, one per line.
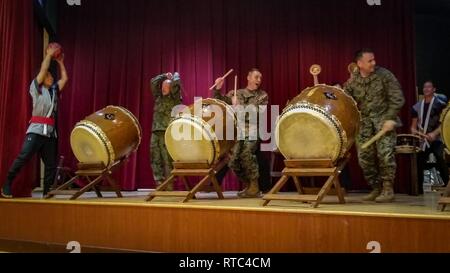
(380, 98)
(425, 123)
(41, 136)
(166, 90)
(243, 160)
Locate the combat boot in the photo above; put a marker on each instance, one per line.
(242, 193)
(252, 190)
(373, 194)
(387, 195)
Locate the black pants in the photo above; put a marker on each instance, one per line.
(46, 148)
(437, 148)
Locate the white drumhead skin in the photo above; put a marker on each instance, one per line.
(190, 142)
(87, 146)
(306, 134)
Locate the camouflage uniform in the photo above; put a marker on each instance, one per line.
(161, 160)
(379, 99)
(243, 159)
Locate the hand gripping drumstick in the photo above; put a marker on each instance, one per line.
(223, 78)
(374, 139)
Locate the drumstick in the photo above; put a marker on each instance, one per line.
(316, 80)
(223, 78)
(422, 134)
(374, 139)
(235, 85)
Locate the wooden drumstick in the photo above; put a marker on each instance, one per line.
(235, 85)
(374, 139)
(223, 78)
(315, 70)
(235, 90)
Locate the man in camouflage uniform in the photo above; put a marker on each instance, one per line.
(166, 90)
(380, 98)
(243, 160)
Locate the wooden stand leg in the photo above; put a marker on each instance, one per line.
(445, 199)
(86, 188)
(309, 168)
(62, 187)
(161, 187)
(323, 192)
(277, 187)
(298, 185)
(114, 185)
(217, 187)
(340, 194)
(197, 188)
(185, 182)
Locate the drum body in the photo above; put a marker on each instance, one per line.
(106, 136)
(320, 123)
(407, 144)
(200, 134)
(445, 126)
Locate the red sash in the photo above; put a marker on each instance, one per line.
(43, 120)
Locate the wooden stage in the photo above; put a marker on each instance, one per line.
(411, 224)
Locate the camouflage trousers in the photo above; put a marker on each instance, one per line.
(160, 159)
(377, 161)
(244, 162)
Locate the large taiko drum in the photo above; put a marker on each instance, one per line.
(445, 126)
(203, 132)
(320, 123)
(106, 136)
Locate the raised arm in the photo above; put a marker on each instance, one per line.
(175, 88)
(156, 84)
(62, 70)
(45, 65)
(218, 95)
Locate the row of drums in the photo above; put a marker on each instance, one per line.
(320, 123)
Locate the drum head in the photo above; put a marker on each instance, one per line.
(445, 127)
(305, 134)
(88, 146)
(189, 139)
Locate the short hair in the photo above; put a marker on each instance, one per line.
(429, 81)
(360, 53)
(253, 70)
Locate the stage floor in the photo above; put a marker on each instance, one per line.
(232, 225)
(424, 206)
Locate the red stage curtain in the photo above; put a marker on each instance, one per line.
(113, 48)
(20, 54)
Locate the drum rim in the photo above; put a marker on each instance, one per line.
(229, 109)
(99, 134)
(304, 105)
(442, 119)
(342, 89)
(408, 135)
(134, 120)
(200, 122)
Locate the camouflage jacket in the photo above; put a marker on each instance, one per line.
(245, 98)
(162, 111)
(379, 96)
